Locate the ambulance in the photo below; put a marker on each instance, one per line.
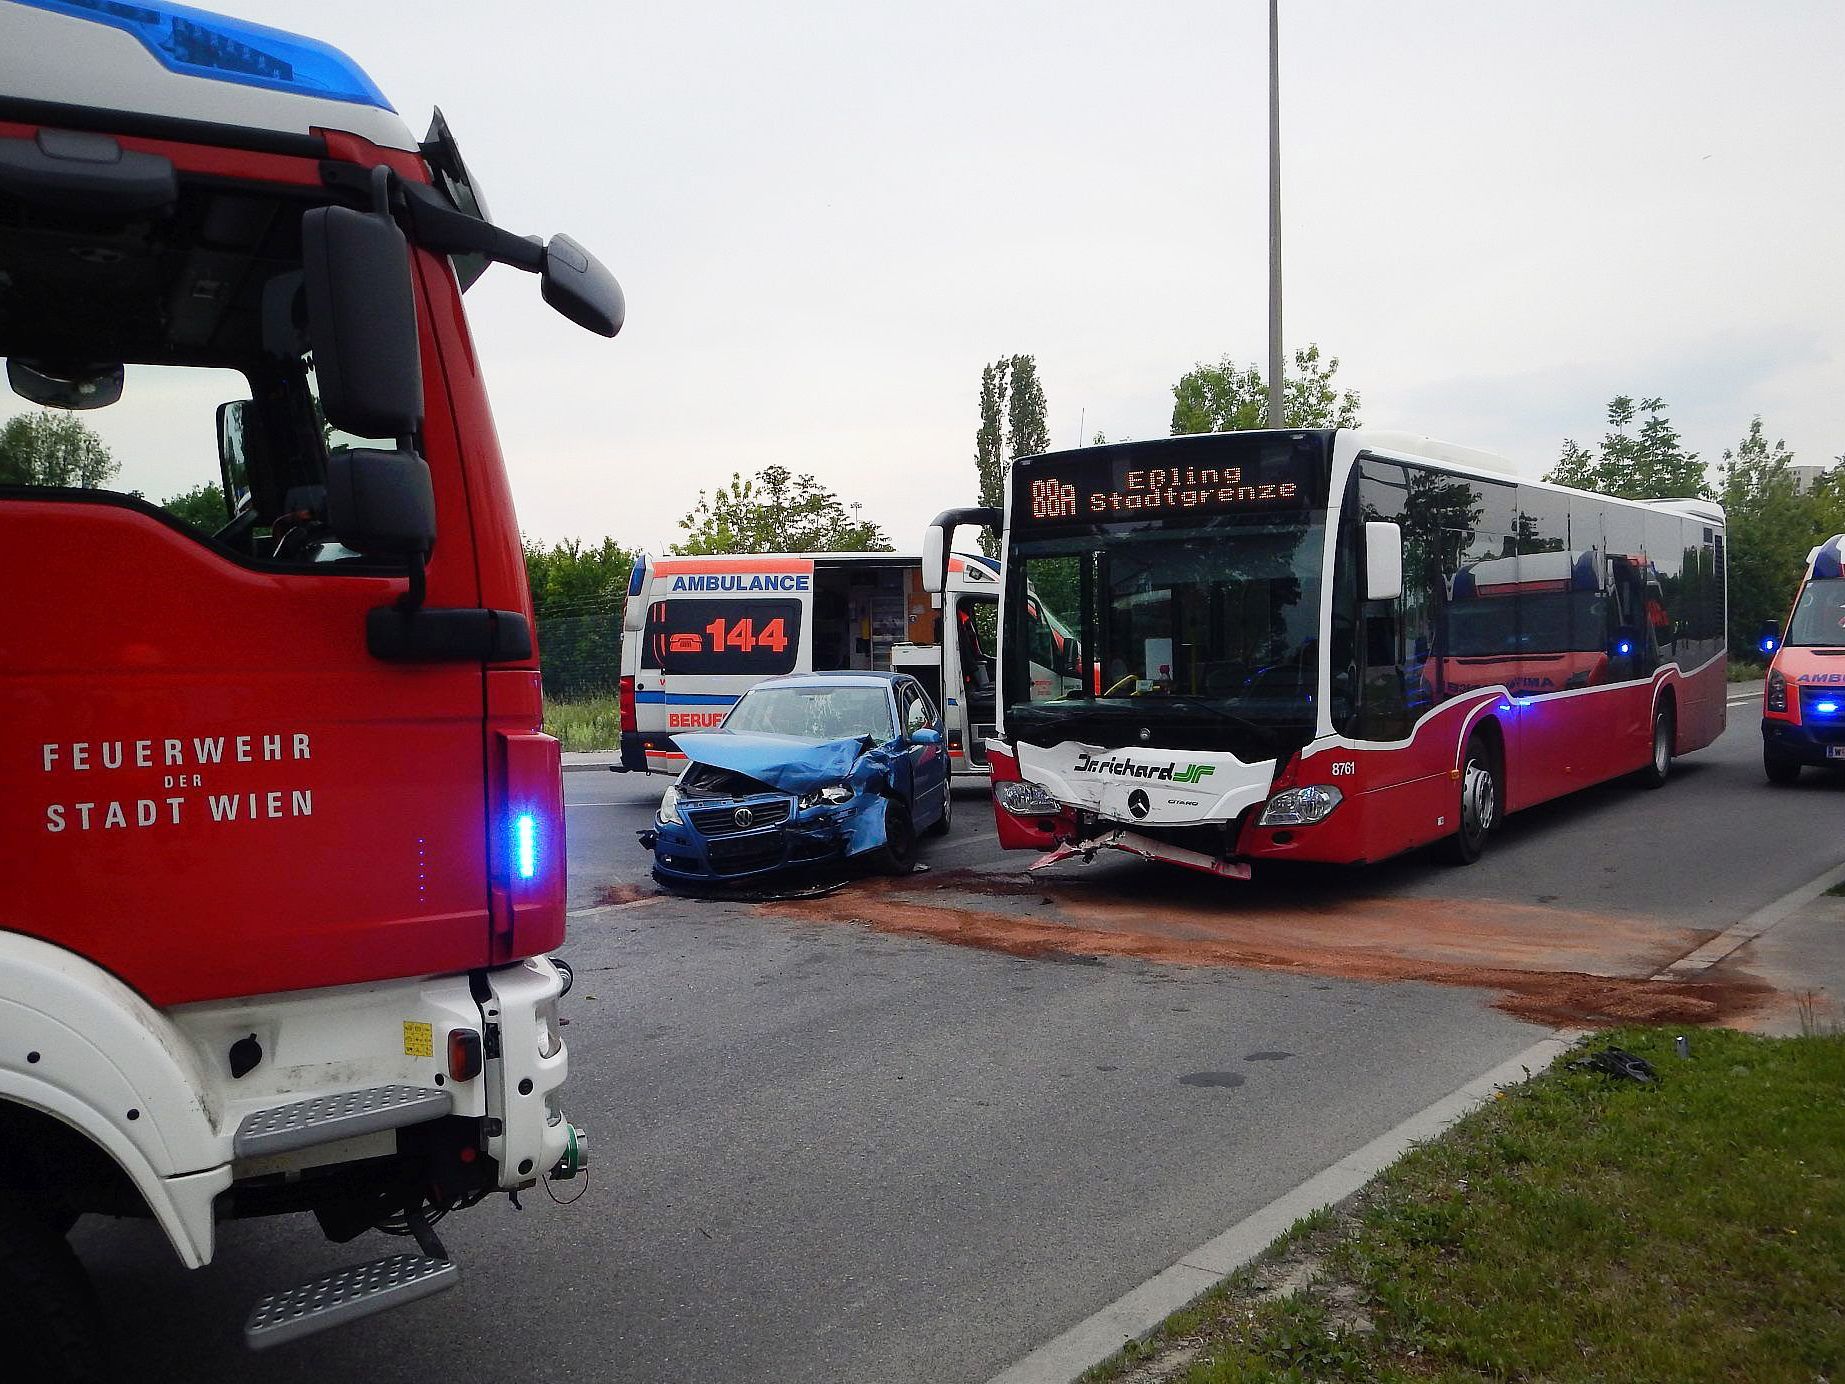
(699, 632)
(1803, 702)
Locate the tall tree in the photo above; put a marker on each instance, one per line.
(1651, 464)
(1027, 433)
(776, 511)
(990, 438)
(1226, 397)
(1770, 526)
(54, 448)
(1012, 425)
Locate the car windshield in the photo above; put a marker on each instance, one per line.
(814, 711)
(1819, 615)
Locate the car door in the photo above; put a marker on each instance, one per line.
(928, 762)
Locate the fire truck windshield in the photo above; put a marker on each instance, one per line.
(185, 315)
(1819, 616)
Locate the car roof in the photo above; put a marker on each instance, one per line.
(847, 678)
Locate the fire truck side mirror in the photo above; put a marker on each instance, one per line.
(579, 286)
(362, 322)
(381, 502)
(1383, 561)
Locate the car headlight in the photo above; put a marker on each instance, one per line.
(1026, 799)
(1301, 807)
(829, 793)
(669, 805)
(1777, 690)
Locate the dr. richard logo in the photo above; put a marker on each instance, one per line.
(1087, 763)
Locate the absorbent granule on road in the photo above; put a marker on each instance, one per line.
(1548, 965)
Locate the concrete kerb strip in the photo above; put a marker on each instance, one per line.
(1136, 1313)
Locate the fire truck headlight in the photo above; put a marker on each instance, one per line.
(1301, 807)
(1777, 690)
(1026, 799)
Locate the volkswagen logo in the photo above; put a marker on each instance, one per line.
(743, 816)
(1139, 803)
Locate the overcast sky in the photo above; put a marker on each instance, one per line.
(827, 215)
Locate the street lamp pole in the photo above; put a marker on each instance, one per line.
(1277, 417)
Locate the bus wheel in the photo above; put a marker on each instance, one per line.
(49, 1316)
(1780, 768)
(1479, 805)
(1665, 726)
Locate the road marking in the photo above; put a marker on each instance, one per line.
(1138, 1311)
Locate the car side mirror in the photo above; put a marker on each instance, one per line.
(925, 735)
(1383, 561)
(1768, 638)
(362, 322)
(381, 502)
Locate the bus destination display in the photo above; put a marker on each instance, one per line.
(1100, 490)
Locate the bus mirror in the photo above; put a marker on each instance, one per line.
(1768, 638)
(935, 560)
(67, 386)
(580, 287)
(381, 502)
(1383, 561)
(362, 322)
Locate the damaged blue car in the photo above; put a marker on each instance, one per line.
(806, 770)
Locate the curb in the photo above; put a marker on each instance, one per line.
(1140, 1310)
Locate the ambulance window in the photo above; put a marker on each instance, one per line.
(694, 638)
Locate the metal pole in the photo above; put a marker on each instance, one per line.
(1277, 410)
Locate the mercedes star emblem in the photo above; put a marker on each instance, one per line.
(1138, 802)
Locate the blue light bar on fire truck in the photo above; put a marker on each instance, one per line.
(197, 43)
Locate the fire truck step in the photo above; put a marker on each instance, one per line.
(323, 1119)
(345, 1295)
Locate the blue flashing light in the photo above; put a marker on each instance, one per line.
(1624, 648)
(197, 43)
(525, 845)
(1768, 646)
(637, 577)
(1826, 708)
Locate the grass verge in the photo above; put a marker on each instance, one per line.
(1740, 671)
(591, 724)
(1575, 1228)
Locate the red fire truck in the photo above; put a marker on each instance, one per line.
(283, 845)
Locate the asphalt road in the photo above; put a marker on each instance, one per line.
(824, 1152)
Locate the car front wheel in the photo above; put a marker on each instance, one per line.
(898, 853)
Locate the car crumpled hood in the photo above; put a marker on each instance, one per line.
(793, 765)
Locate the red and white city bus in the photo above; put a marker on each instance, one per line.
(1336, 646)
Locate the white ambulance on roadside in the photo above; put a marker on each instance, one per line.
(699, 632)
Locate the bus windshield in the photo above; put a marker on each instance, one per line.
(1215, 625)
(1819, 615)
